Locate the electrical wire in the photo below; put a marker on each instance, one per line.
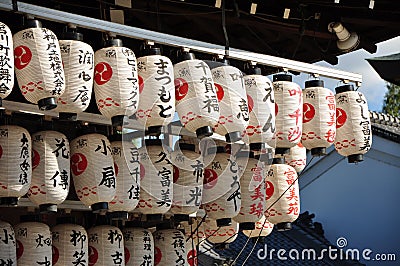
(224, 29)
(197, 227)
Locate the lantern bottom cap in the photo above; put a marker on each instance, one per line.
(119, 215)
(257, 146)
(48, 208)
(224, 222)
(154, 217)
(318, 152)
(203, 132)
(233, 137)
(48, 103)
(221, 246)
(65, 116)
(265, 157)
(100, 207)
(284, 226)
(247, 226)
(10, 201)
(153, 131)
(181, 218)
(282, 151)
(278, 160)
(259, 239)
(117, 120)
(355, 158)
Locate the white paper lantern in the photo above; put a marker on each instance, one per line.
(38, 65)
(220, 235)
(116, 85)
(156, 184)
(353, 125)
(282, 210)
(297, 157)
(127, 170)
(289, 113)
(50, 170)
(33, 244)
(78, 60)
(70, 245)
(157, 90)
(231, 94)
(253, 190)
(188, 179)
(196, 96)
(8, 249)
(221, 188)
(106, 246)
(263, 228)
(7, 60)
(15, 163)
(169, 248)
(92, 168)
(139, 246)
(319, 117)
(261, 101)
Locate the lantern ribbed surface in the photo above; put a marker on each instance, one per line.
(289, 112)
(285, 209)
(116, 83)
(106, 246)
(92, 168)
(169, 248)
(70, 245)
(127, 169)
(353, 125)
(50, 168)
(78, 61)
(139, 246)
(7, 55)
(297, 157)
(38, 64)
(319, 117)
(261, 101)
(156, 184)
(15, 161)
(157, 91)
(33, 244)
(231, 94)
(196, 96)
(219, 235)
(263, 228)
(188, 179)
(253, 190)
(8, 249)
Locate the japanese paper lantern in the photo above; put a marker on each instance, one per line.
(50, 170)
(260, 98)
(221, 186)
(220, 235)
(116, 85)
(262, 229)
(8, 254)
(33, 244)
(288, 111)
(196, 96)
(319, 117)
(188, 179)
(15, 163)
(7, 61)
(156, 184)
(127, 170)
(139, 246)
(252, 190)
(297, 157)
(231, 94)
(353, 125)
(169, 248)
(106, 246)
(78, 60)
(282, 210)
(70, 245)
(38, 65)
(92, 168)
(157, 90)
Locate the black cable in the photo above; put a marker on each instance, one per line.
(224, 29)
(197, 228)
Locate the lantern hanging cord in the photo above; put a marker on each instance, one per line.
(259, 234)
(224, 28)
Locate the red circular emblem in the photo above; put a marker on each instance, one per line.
(22, 56)
(102, 73)
(175, 173)
(116, 169)
(141, 84)
(192, 258)
(220, 92)
(20, 249)
(55, 254)
(269, 189)
(210, 178)
(78, 163)
(250, 103)
(35, 159)
(181, 88)
(93, 256)
(341, 117)
(276, 109)
(157, 255)
(308, 112)
(127, 255)
(1, 151)
(142, 171)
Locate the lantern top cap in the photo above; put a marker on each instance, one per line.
(153, 142)
(254, 70)
(114, 43)
(314, 83)
(344, 88)
(187, 146)
(186, 55)
(151, 50)
(282, 77)
(70, 35)
(32, 23)
(278, 160)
